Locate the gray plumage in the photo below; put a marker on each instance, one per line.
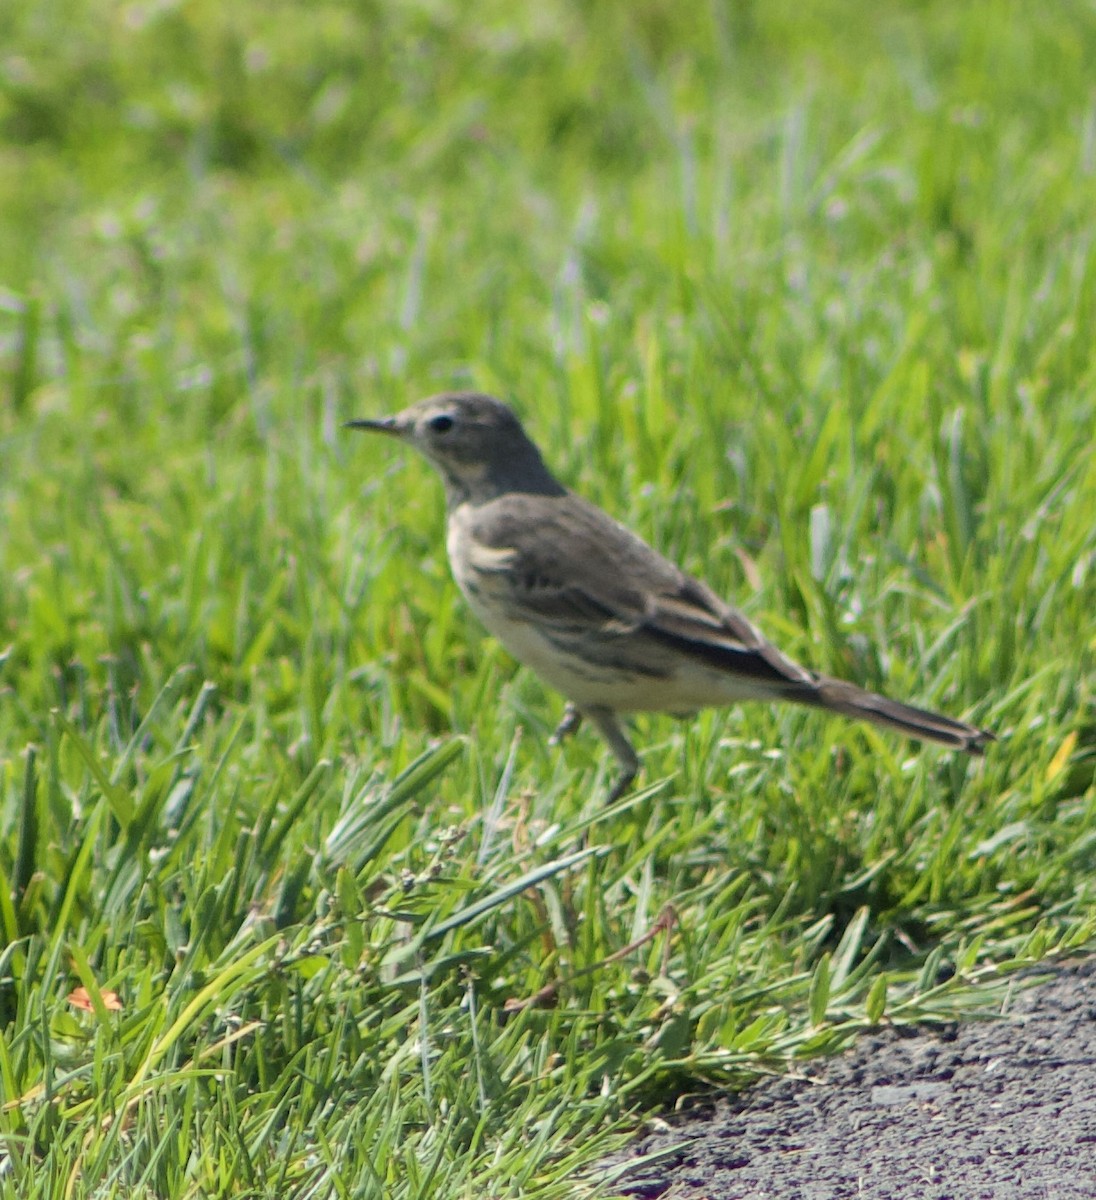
(591, 607)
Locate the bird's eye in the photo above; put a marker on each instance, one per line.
(441, 423)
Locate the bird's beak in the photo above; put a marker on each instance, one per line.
(389, 425)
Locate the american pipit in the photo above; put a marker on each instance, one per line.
(592, 608)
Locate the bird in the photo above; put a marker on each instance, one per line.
(594, 610)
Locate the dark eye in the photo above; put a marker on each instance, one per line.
(441, 423)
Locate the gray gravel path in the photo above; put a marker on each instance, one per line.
(986, 1110)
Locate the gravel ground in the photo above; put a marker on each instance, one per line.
(986, 1110)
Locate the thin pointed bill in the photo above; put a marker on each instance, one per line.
(389, 425)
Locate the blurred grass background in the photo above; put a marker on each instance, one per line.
(806, 296)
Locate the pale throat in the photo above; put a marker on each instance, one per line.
(464, 481)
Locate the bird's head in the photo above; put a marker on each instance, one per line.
(475, 442)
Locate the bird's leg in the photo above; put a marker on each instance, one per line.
(572, 719)
(606, 723)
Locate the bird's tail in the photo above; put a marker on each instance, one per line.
(851, 701)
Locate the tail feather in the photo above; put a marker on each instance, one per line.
(851, 701)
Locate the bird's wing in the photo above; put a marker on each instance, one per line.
(693, 620)
(572, 567)
(533, 585)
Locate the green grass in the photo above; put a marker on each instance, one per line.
(807, 298)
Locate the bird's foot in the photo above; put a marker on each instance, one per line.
(572, 719)
(621, 786)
